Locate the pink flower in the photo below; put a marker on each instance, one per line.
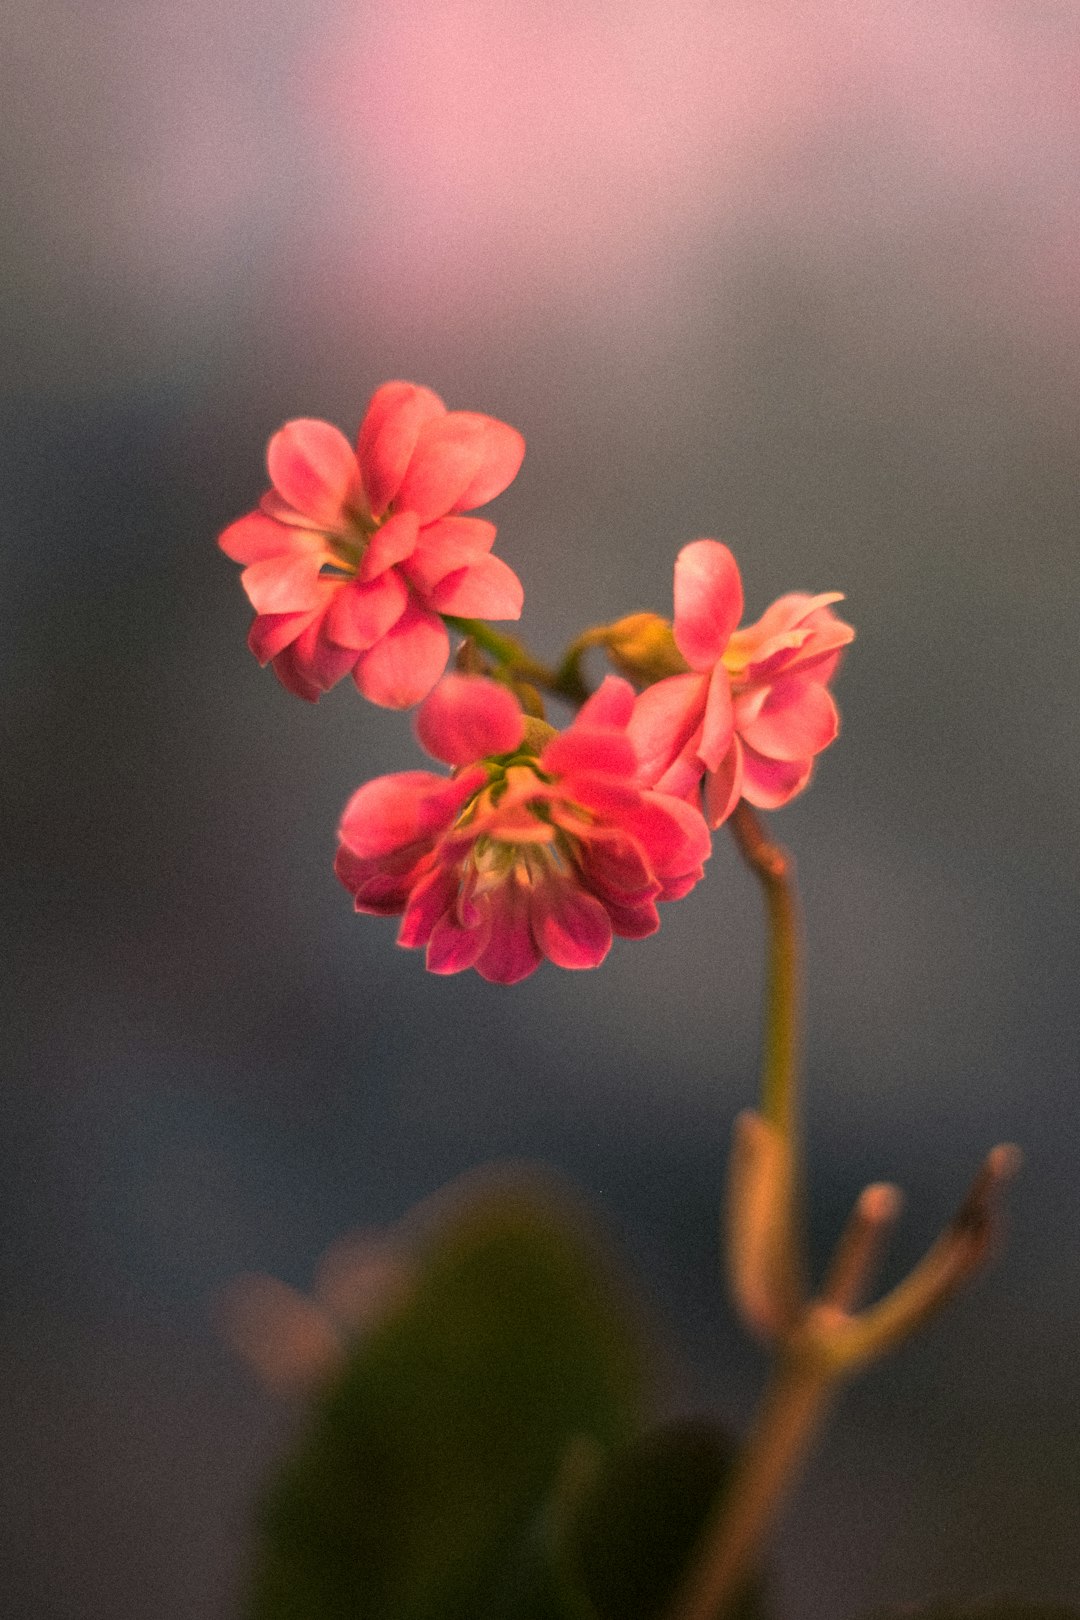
(755, 708)
(542, 844)
(353, 556)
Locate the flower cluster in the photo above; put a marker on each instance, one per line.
(540, 843)
(754, 708)
(353, 556)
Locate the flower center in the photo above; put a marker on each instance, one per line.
(494, 862)
(516, 835)
(736, 660)
(347, 547)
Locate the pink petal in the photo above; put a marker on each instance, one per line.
(455, 946)
(614, 865)
(511, 953)
(503, 453)
(798, 718)
(360, 614)
(320, 660)
(760, 660)
(719, 721)
(683, 776)
(446, 460)
(467, 718)
(634, 922)
(454, 455)
(433, 895)
(350, 868)
(674, 888)
(769, 783)
(585, 751)
(255, 538)
(827, 632)
(790, 611)
(671, 832)
(810, 650)
(473, 908)
(310, 665)
(488, 589)
(447, 545)
(391, 543)
(406, 864)
(312, 466)
(708, 601)
(273, 506)
(380, 894)
(398, 811)
(608, 798)
(821, 668)
(303, 653)
(271, 633)
(295, 676)
(387, 438)
(383, 885)
(611, 704)
(284, 584)
(792, 634)
(404, 665)
(748, 705)
(571, 927)
(723, 787)
(665, 717)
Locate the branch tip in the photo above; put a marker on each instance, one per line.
(859, 1249)
(957, 1255)
(880, 1204)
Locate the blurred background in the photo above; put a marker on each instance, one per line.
(802, 278)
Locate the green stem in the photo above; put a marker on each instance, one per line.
(775, 870)
(569, 674)
(790, 1414)
(818, 1342)
(797, 1396)
(564, 682)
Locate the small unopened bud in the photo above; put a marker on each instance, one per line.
(642, 647)
(469, 660)
(529, 698)
(537, 735)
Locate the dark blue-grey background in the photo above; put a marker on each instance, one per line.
(802, 279)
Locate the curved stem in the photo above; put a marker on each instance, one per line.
(794, 1406)
(769, 1271)
(818, 1342)
(570, 681)
(565, 682)
(775, 870)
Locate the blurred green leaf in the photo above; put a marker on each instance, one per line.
(634, 1532)
(424, 1467)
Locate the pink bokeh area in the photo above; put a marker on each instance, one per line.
(460, 161)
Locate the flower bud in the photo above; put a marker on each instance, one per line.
(537, 735)
(642, 647)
